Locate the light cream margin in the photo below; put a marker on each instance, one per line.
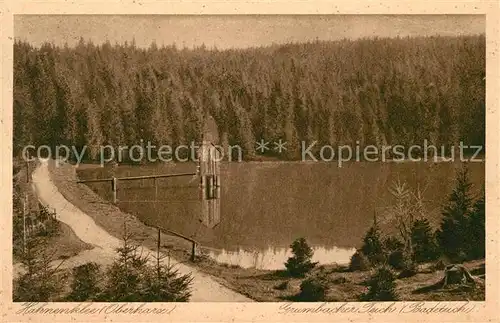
(484, 311)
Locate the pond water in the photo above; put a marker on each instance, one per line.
(266, 205)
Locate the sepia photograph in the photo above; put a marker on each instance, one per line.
(249, 158)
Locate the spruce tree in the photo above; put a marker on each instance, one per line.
(381, 286)
(300, 263)
(373, 247)
(126, 275)
(165, 284)
(452, 235)
(159, 93)
(395, 252)
(476, 230)
(41, 281)
(423, 240)
(133, 278)
(85, 284)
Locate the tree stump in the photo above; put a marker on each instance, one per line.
(457, 274)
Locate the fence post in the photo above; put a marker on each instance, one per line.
(25, 210)
(158, 253)
(27, 171)
(156, 189)
(114, 184)
(168, 258)
(193, 251)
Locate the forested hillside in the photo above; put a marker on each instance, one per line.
(375, 91)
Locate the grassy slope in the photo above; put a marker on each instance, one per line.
(348, 286)
(256, 284)
(66, 244)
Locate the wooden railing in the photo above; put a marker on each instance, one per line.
(194, 243)
(114, 186)
(114, 180)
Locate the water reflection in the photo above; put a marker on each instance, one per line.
(269, 204)
(275, 258)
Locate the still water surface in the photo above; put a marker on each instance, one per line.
(266, 205)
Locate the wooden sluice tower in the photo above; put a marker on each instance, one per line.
(209, 172)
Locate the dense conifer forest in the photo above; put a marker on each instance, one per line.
(374, 91)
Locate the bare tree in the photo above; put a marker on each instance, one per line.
(408, 207)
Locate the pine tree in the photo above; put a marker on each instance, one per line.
(132, 278)
(372, 245)
(93, 135)
(452, 235)
(314, 289)
(126, 275)
(245, 137)
(359, 262)
(395, 250)
(404, 212)
(322, 91)
(42, 281)
(300, 263)
(476, 230)
(424, 245)
(85, 284)
(381, 286)
(164, 284)
(290, 134)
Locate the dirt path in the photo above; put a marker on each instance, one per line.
(204, 288)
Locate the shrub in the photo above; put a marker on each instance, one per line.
(407, 266)
(282, 286)
(85, 282)
(395, 250)
(313, 289)
(300, 263)
(381, 286)
(52, 228)
(359, 262)
(423, 240)
(396, 259)
(393, 244)
(372, 245)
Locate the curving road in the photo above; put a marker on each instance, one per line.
(204, 287)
